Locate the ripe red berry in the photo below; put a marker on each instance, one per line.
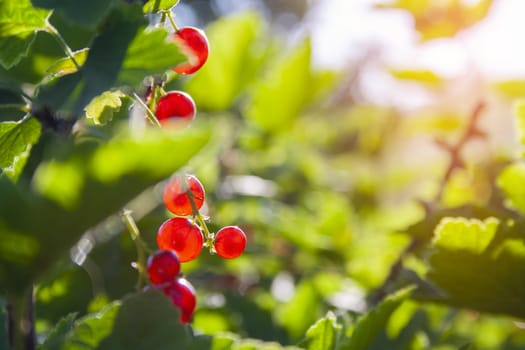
(175, 106)
(182, 236)
(176, 197)
(194, 44)
(182, 295)
(229, 242)
(163, 266)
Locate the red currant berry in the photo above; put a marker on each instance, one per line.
(163, 266)
(175, 106)
(182, 236)
(194, 44)
(176, 197)
(182, 295)
(229, 242)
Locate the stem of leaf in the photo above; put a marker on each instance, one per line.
(149, 114)
(142, 248)
(23, 108)
(63, 44)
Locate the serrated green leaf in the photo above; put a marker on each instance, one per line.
(474, 260)
(284, 91)
(323, 334)
(151, 52)
(511, 182)
(231, 64)
(369, 326)
(147, 321)
(19, 21)
(16, 141)
(102, 107)
(85, 13)
(56, 337)
(66, 66)
(156, 5)
(89, 331)
(465, 235)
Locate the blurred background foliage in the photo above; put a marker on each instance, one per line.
(343, 198)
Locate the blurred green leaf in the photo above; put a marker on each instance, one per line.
(426, 77)
(511, 88)
(301, 311)
(102, 107)
(323, 334)
(66, 66)
(16, 141)
(147, 321)
(374, 321)
(55, 339)
(463, 248)
(156, 5)
(19, 21)
(511, 182)
(283, 92)
(89, 331)
(88, 14)
(231, 64)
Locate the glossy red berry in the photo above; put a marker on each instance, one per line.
(229, 242)
(194, 44)
(176, 197)
(182, 236)
(175, 106)
(163, 266)
(182, 295)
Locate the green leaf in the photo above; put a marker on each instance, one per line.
(511, 182)
(19, 21)
(147, 321)
(56, 337)
(156, 5)
(16, 141)
(151, 52)
(323, 334)
(231, 64)
(102, 107)
(510, 88)
(283, 92)
(369, 326)
(89, 331)
(66, 66)
(473, 261)
(85, 13)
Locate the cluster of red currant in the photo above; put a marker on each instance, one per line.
(182, 238)
(177, 107)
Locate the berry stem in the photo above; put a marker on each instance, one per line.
(150, 115)
(200, 219)
(172, 21)
(142, 248)
(67, 50)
